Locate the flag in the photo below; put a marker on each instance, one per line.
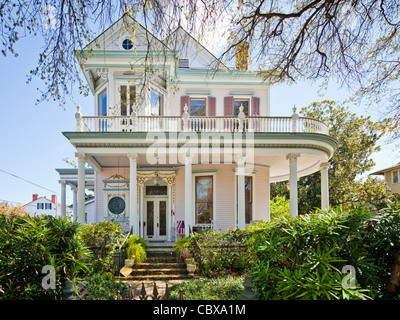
(181, 226)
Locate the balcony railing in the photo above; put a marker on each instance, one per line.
(241, 123)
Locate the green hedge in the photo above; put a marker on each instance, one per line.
(303, 258)
(27, 244)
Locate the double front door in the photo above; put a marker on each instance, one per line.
(155, 219)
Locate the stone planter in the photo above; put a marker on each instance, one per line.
(129, 262)
(191, 268)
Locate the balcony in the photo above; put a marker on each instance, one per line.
(185, 123)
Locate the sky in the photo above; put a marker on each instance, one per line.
(33, 146)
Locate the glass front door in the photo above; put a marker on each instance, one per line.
(155, 224)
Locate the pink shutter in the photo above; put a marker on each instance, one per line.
(255, 106)
(228, 106)
(211, 112)
(228, 111)
(255, 111)
(185, 100)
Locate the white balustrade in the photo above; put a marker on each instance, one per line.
(201, 124)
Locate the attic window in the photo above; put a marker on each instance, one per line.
(127, 44)
(183, 63)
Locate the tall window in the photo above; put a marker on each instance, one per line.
(248, 198)
(156, 103)
(102, 102)
(395, 176)
(204, 199)
(236, 105)
(128, 99)
(197, 107)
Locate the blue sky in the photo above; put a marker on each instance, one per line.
(32, 144)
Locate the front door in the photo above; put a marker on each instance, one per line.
(155, 224)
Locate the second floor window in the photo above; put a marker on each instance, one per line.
(128, 99)
(240, 102)
(156, 103)
(197, 107)
(102, 102)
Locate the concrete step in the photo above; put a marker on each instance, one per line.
(157, 277)
(158, 271)
(159, 265)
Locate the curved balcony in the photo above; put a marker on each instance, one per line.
(257, 124)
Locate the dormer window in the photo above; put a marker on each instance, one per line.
(127, 44)
(128, 99)
(102, 103)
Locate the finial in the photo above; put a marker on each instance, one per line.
(294, 108)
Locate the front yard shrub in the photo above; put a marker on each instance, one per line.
(228, 288)
(220, 254)
(303, 258)
(103, 238)
(27, 244)
(136, 248)
(104, 287)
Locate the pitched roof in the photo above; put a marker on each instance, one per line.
(382, 171)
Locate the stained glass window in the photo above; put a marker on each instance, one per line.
(116, 205)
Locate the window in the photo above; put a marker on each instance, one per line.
(128, 99)
(236, 105)
(395, 176)
(156, 103)
(197, 107)
(156, 191)
(127, 44)
(183, 63)
(47, 206)
(40, 206)
(248, 198)
(102, 102)
(203, 199)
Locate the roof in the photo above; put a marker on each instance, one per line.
(382, 171)
(41, 200)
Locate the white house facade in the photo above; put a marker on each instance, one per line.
(178, 139)
(40, 206)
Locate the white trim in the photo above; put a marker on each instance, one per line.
(235, 198)
(203, 174)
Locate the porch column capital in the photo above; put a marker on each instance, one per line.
(324, 165)
(292, 156)
(132, 156)
(81, 156)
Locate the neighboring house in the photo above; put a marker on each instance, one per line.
(43, 206)
(177, 136)
(392, 177)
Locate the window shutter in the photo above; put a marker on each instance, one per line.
(255, 106)
(228, 106)
(185, 100)
(211, 107)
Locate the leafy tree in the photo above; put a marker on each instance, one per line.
(357, 137)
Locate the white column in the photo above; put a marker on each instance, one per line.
(241, 209)
(63, 200)
(81, 187)
(188, 194)
(324, 186)
(293, 183)
(133, 216)
(141, 231)
(74, 203)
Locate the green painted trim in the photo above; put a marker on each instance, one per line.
(73, 170)
(115, 181)
(246, 171)
(220, 83)
(241, 92)
(125, 76)
(198, 92)
(92, 54)
(204, 170)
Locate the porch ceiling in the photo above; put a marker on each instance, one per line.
(278, 164)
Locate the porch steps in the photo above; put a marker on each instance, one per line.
(161, 264)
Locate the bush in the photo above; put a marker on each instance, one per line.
(27, 244)
(104, 287)
(220, 254)
(302, 258)
(103, 238)
(136, 247)
(229, 288)
(279, 207)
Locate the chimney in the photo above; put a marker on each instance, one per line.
(54, 198)
(35, 196)
(242, 56)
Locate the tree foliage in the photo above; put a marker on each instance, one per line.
(357, 138)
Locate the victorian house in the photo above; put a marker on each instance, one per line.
(178, 141)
